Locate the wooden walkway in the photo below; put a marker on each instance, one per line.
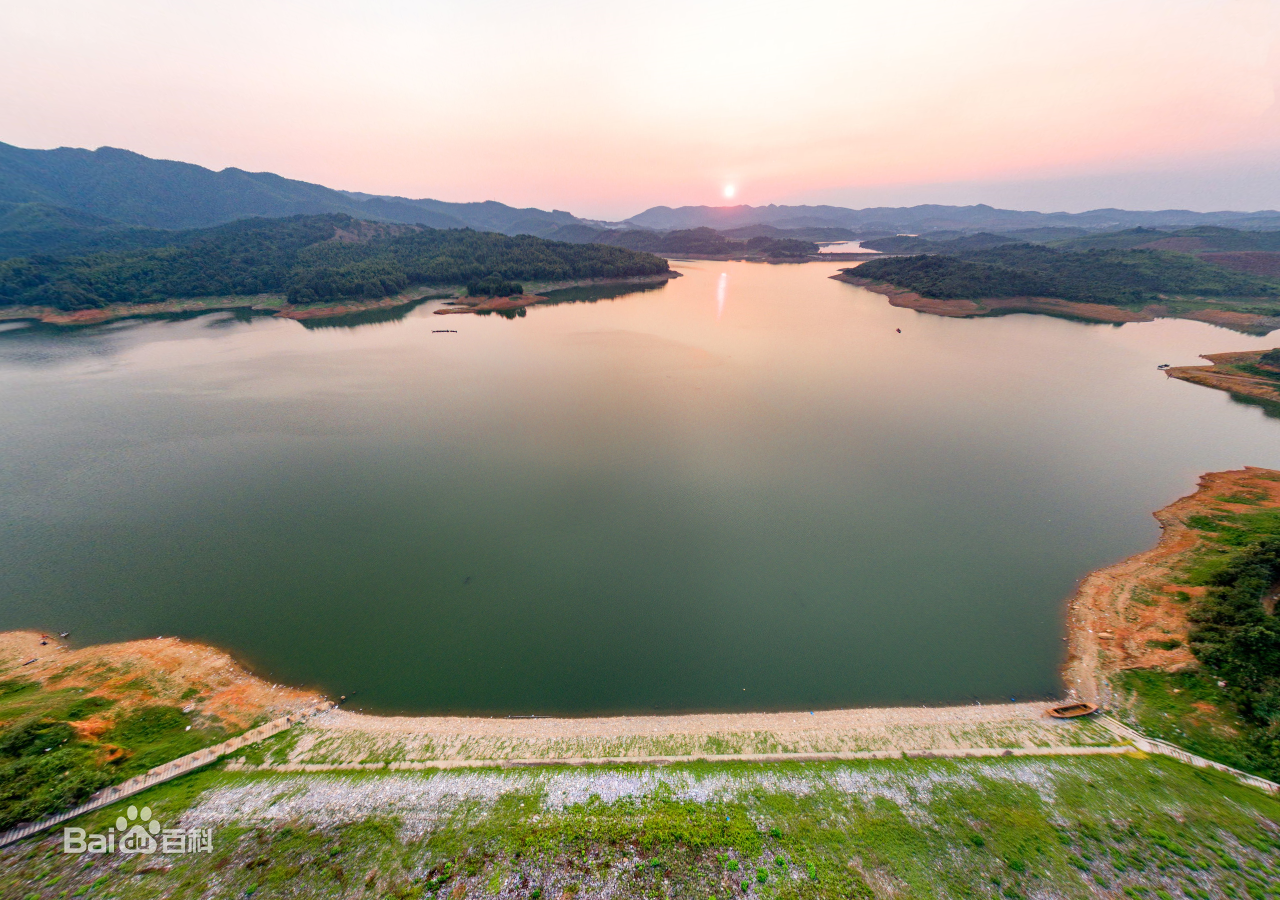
(170, 770)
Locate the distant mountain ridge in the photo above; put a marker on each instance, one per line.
(76, 200)
(131, 189)
(932, 217)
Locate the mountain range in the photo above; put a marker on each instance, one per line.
(76, 200)
(930, 217)
(123, 187)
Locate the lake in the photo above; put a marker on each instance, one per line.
(743, 490)
(844, 247)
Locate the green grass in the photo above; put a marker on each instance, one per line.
(1065, 827)
(1234, 639)
(1188, 709)
(45, 766)
(1225, 533)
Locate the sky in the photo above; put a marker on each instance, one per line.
(606, 109)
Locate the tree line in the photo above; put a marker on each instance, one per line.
(1238, 641)
(300, 257)
(1113, 277)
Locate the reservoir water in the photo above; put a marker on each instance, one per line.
(742, 490)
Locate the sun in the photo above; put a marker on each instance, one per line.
(729, 191)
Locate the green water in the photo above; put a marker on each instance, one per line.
(743, 490)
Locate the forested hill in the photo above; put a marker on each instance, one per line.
(310, 259)
(1115, 277)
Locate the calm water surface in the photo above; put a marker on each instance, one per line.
(744, 490)
(844, 247)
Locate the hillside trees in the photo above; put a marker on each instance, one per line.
(300, 258)
(1115, 277)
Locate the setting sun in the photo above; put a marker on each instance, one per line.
(729, 191)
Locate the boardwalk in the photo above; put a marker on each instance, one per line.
(160, 774)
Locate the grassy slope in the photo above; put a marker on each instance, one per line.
(1190, 708)
(1146, 828)
(46, 766)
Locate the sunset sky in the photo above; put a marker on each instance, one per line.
(605, 109)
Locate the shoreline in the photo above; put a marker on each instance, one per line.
(1132, 614)
(229, 693)
(276, 304)
(1245, 323)
(1222, 374)
(1121, 613)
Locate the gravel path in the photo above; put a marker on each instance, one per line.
(339, 739)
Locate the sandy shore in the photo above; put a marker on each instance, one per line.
(340, 740)
(211, 685)
(208, 682)
(1122, 615)
(1129, 615)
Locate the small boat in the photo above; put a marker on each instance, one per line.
(1071, 710)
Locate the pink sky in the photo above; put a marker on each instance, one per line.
(606, 109)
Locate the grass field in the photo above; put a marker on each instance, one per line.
(1045, 827)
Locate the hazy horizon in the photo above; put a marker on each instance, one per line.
(606, 112)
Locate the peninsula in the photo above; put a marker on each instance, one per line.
(983, 275)
(1182, 638)
(1252, 373)
(300, 267)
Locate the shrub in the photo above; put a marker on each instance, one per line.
(494, 286)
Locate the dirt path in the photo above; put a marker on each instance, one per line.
(1133, 614)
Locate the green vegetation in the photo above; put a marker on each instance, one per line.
(43, 769)
(300, 257)
(116, 186)
(1228, 710)
(949, 243)
(1199, 239)
(1190, 710)
(45, 766)
(1114, 277)
(1271, 358)
(37, 228)
(493, 285)
(1238, 640)
(1145, 828)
